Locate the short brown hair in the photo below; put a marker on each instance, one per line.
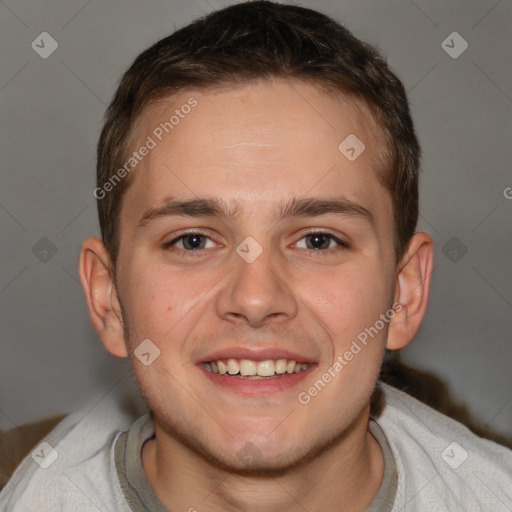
(264, 40)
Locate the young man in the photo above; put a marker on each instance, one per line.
(258, 197)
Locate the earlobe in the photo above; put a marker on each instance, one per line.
(411, 291)
(101, 295)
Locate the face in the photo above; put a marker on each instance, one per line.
(273, 275)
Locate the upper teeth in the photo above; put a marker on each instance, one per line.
(246, 367)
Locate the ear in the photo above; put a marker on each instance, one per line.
(101, 295)
(411, 291)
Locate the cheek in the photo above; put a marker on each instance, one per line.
(160, 299)
(346, 300)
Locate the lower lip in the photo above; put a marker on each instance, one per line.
(258, 387)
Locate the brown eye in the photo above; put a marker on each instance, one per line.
(319, 241)
(322, 242)
(193, 242)
(188, 242)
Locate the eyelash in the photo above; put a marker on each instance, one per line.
(312, 252)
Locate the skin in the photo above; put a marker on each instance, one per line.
(258, 145)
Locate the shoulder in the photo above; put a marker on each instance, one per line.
(72, 465)
(441, 464)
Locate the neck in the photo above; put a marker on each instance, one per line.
(344, 477)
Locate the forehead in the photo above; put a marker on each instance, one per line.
(259, 141)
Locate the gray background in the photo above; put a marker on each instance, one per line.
(51, 360)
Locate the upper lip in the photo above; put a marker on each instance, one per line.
(255, 355)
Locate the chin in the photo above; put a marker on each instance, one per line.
(266, 458)
(251, 462)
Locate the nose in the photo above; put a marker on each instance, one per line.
(256, 293)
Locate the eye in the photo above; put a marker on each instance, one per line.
(188, 242)
(319, 241)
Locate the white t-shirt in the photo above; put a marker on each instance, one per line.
(437, 464)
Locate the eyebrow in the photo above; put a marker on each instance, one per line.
(296, 207)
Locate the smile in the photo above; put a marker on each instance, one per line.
(247, 368)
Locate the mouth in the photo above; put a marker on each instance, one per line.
(255, 370)
(262, 377)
